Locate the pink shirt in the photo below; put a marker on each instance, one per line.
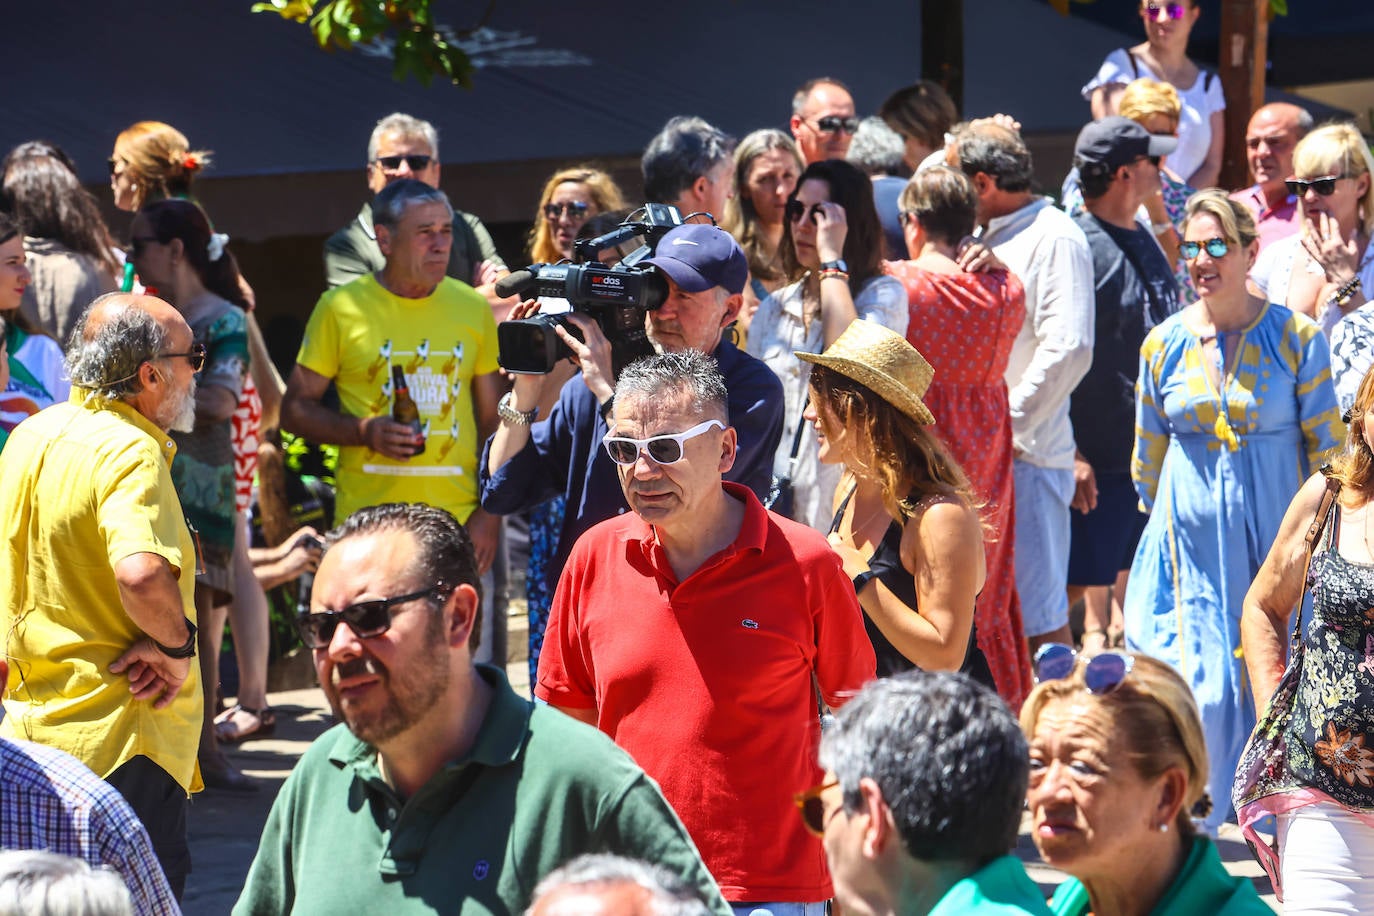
(1274, 223)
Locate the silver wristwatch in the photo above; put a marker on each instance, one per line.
(509, 414)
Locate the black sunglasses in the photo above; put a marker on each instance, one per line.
(416, 162)
(813, 809)
(833, 123)
(196, 357)
(1324, 186)
(1104, 672)
(796, 208)
(366, 618)
(1217, 248)
(575, 208)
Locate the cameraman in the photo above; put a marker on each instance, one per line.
(528, 462)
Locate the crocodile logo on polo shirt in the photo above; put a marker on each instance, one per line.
(749, 624)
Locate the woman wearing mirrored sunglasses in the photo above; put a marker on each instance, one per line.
(1163, 56)
(1323, 793)
(906, 523)
(1234, 409)
(570, 197)
(175, 251)
(966, 323)
(1118, 771)
(1327, 269)
(832, 248)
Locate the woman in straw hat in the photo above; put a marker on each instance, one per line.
(906, 525)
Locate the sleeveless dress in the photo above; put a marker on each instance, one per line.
(886, 561)
(1328, 739)
(965, 324)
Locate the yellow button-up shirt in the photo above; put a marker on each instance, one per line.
(84, 485)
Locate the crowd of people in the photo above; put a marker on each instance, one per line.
(801, 547)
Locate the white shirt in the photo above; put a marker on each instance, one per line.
(776, 332)
(1052, 352)
(1273, 273)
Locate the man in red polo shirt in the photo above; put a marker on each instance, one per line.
(690, 631)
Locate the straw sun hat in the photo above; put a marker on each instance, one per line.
(883, 361)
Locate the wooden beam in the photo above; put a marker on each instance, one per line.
(942, 46)
(1242, 60)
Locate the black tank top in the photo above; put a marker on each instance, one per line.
(887, 563)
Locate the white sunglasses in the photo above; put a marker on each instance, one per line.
(665, 449)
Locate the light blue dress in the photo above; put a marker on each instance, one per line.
(1216, 484)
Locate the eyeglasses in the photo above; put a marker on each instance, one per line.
(139, 243)
(196, 357)
(1104, 672)
(1324, 186)
(795, 209)
(1217, 248)
(366, 618)
(834, 123)
(575, 209)
(662, 449)
(1172, 10)
(813, 809)
(416, 162)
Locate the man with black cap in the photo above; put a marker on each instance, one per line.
(1118, 165)
(528, 462)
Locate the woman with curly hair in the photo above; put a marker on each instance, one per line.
(906, 522)
(70, 252)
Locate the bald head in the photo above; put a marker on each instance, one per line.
(116, 335)
(1272, 133)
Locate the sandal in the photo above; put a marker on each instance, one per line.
(228, 729)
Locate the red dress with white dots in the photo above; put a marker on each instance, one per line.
(964, 324)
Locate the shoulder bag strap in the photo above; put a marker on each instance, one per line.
(1314, 533)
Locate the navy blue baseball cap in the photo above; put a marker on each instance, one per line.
(1116, 141)
(699, 257)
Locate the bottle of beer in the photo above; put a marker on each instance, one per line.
(403, 409)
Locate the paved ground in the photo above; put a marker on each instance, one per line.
(225, 827)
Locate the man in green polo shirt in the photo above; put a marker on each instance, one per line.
(921, 802)
(442, 790)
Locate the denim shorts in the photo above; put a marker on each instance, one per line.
(1042, 545)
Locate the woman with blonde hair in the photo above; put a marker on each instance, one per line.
(151, 161)
(906, 522)
(1118, 771)
(767, 165)
(1234, 408)
(1321, 786)
(570, 197)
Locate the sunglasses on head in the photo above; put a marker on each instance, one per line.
(1104, 673)
(576, 209)
(795, 209)
(416, 161)
(834, 123)
(1217, 248)
(665, 449)
(196, 357)
(1172, 10)
(812, 809)
(366, 618)
(1324, 186)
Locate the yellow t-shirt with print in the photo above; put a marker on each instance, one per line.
(357, 332)
(86, 484)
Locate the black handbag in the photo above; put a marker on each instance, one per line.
(780, 496)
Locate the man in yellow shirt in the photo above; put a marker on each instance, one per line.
(440, 333)
(97, 568)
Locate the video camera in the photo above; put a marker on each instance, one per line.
(616, 297)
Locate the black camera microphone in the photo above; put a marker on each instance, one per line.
(517, 281)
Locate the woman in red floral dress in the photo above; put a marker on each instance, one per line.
(965, 324)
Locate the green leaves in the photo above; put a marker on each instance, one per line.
(418, 47)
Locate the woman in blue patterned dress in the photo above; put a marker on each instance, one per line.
(1234, 409)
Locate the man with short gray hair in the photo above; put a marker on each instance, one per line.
(98, 574)
(926, 776)
(690, 165)
(409, 325)
(698, 631)
(401, 147)
(602, 884)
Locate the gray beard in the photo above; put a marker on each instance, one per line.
(180, 415)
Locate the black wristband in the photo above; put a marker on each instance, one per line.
(605, 408)
(862, 579)
(186, 649)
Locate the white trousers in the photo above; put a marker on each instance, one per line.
(1326, 855)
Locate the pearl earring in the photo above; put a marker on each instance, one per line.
(1163, 828)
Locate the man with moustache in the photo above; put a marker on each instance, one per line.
(1273, 132)
(701, 631)
(98, 569)
(441, 790)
